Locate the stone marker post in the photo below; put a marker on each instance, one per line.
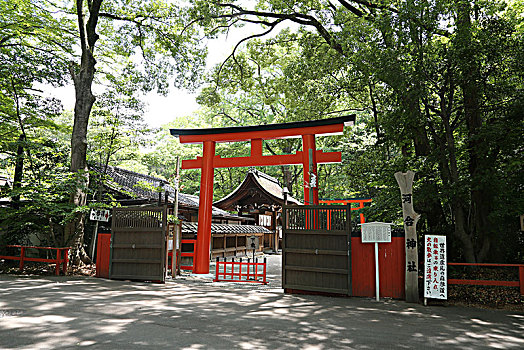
(405, 182)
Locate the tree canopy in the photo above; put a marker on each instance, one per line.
(437, 87)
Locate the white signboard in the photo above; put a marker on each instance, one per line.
(264, 220)
(436, 267)
(99, 215)
(376, 232)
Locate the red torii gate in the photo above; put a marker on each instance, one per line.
(359, 201)
(309, 157)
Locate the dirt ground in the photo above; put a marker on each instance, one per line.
(192, 312)
(487, 297)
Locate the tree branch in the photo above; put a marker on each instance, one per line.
(351, 8)
(228, 116)
(294, 17)
(94, 13)
(232, 55)
(81, 25)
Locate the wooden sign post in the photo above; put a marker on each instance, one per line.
(405, 182)
(376, 232)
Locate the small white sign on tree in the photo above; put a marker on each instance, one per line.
(99, 215)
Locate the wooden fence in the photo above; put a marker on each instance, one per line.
(316, 249)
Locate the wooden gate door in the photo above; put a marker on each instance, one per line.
(139, 244)
(316, 252)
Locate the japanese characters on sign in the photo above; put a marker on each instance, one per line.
(379, 232)
(409, 221)
(435, 273)
(99, 215)
(313, 180)
(264, 220)
(411, 243)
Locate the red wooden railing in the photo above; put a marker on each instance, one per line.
(58, 260)
(359, 201)
(519, 283)
(188, 254)
(241, 271)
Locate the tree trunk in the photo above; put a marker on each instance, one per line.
(480, 192)
(84, 100)
(19, 172)
(83, 105)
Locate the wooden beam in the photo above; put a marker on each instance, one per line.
(235, 162)
(263, 135)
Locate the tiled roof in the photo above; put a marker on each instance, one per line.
(260, 182)
(272, 185)
(192, 227)
(132, 183)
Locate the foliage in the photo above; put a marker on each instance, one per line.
(34, 44)
(117, 30)
(117, 131)
(437, 88)
(435, 85)
(161, 158)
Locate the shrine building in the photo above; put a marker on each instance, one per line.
(261, 198)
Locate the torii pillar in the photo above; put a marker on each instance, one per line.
(205, 205)
(309, 157)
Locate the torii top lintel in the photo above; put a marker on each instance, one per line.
(256, 134)
(332, 126)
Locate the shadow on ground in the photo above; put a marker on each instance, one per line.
(65, 312)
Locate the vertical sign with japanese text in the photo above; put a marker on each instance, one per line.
(405, 182)
(264, 220)
(435, 267)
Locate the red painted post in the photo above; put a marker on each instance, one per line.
(201, 263)
(248, 263)
(256, 148)
(66, 260)
(22, 253)
(217, 269)
(58, 261)
(308, 143)
(521, 279)
(265, 266)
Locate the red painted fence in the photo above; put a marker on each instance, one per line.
(103, 254)
(180, 254)
(241, 271)
(391, 262)
(58, 260)
(188, 254)
(519, 283)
